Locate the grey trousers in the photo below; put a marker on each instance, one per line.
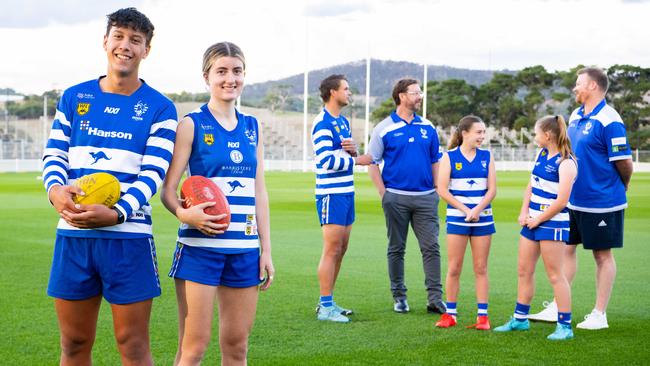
(422, 213)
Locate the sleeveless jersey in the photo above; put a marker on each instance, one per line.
(468, 184)
(545, 182)
(229, 159)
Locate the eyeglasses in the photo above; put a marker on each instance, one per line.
(419, 93)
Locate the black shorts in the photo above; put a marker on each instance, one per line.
(596, 231)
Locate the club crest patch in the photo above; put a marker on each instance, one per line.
(83, 108)
(208, 138)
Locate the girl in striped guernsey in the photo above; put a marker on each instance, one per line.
(214, 263)
(545, 225)
(467, 181)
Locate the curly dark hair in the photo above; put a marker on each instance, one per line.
(131, 18)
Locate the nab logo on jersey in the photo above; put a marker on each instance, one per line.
(97, 156)
(235, 184)
(233, 145)
(111, 110)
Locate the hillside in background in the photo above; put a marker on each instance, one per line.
(383, 75)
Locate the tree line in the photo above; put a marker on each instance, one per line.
(516, 101)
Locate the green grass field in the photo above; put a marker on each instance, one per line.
(286, 331)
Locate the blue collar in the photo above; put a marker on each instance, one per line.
(581, 110)
(397, 118)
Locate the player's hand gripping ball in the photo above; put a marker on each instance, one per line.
(197, 189)
(99, 188)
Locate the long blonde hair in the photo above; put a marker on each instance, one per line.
(557, 128)
(465, 124)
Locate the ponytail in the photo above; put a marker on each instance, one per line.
(557, 127)
(465, 124)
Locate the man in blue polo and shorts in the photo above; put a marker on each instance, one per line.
(120, 125)
(336, 155)
(598, 199)
(409, 147)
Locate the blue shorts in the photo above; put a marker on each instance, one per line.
(597, 231)
(123, 270)
(209, 267)
(544, 233)
(335, 209)
(471, 230)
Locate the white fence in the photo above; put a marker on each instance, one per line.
(34, 165)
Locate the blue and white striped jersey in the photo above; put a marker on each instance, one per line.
(334, 166)
(229, 159)
(544, 183)
(468, 184)
(131, 137)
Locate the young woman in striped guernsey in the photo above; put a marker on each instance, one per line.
(545, 225)
(212, 261)
(467, 181)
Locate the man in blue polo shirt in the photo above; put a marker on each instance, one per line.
(598, 201)
(409, 148)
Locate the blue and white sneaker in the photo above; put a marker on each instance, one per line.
(513, 324)
(562, 333)
(330, 313)
(343, 311)
(401, 306)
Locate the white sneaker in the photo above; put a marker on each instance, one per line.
(549, 314)
(593, 321)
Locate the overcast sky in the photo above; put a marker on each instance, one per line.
(55, 44)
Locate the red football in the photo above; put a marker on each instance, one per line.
(197, 189)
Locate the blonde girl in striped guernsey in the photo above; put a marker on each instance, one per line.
(212, 261)
(467, 181)
(545, 225)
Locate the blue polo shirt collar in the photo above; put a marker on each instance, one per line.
(581, 110)
(396, 118)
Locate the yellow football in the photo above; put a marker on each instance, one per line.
(99, 188)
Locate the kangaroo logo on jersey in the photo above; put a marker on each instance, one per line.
(82, 108)
(536, 180)
(423, 132)
(208, 138)
(588, 127)
(234, 184)
(236, 156)
(98, 156)
(484, 164)
(459, 166)
(139, 109)
(471, 182)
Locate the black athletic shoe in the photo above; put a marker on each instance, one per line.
(438, 308)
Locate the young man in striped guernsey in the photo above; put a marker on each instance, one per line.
(545, 225)
(214, 263)
(410, 150)
(597, 204)
(120, 125)
(336, 156)
(467, 181)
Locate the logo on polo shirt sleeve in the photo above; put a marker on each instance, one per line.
(619, 144)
